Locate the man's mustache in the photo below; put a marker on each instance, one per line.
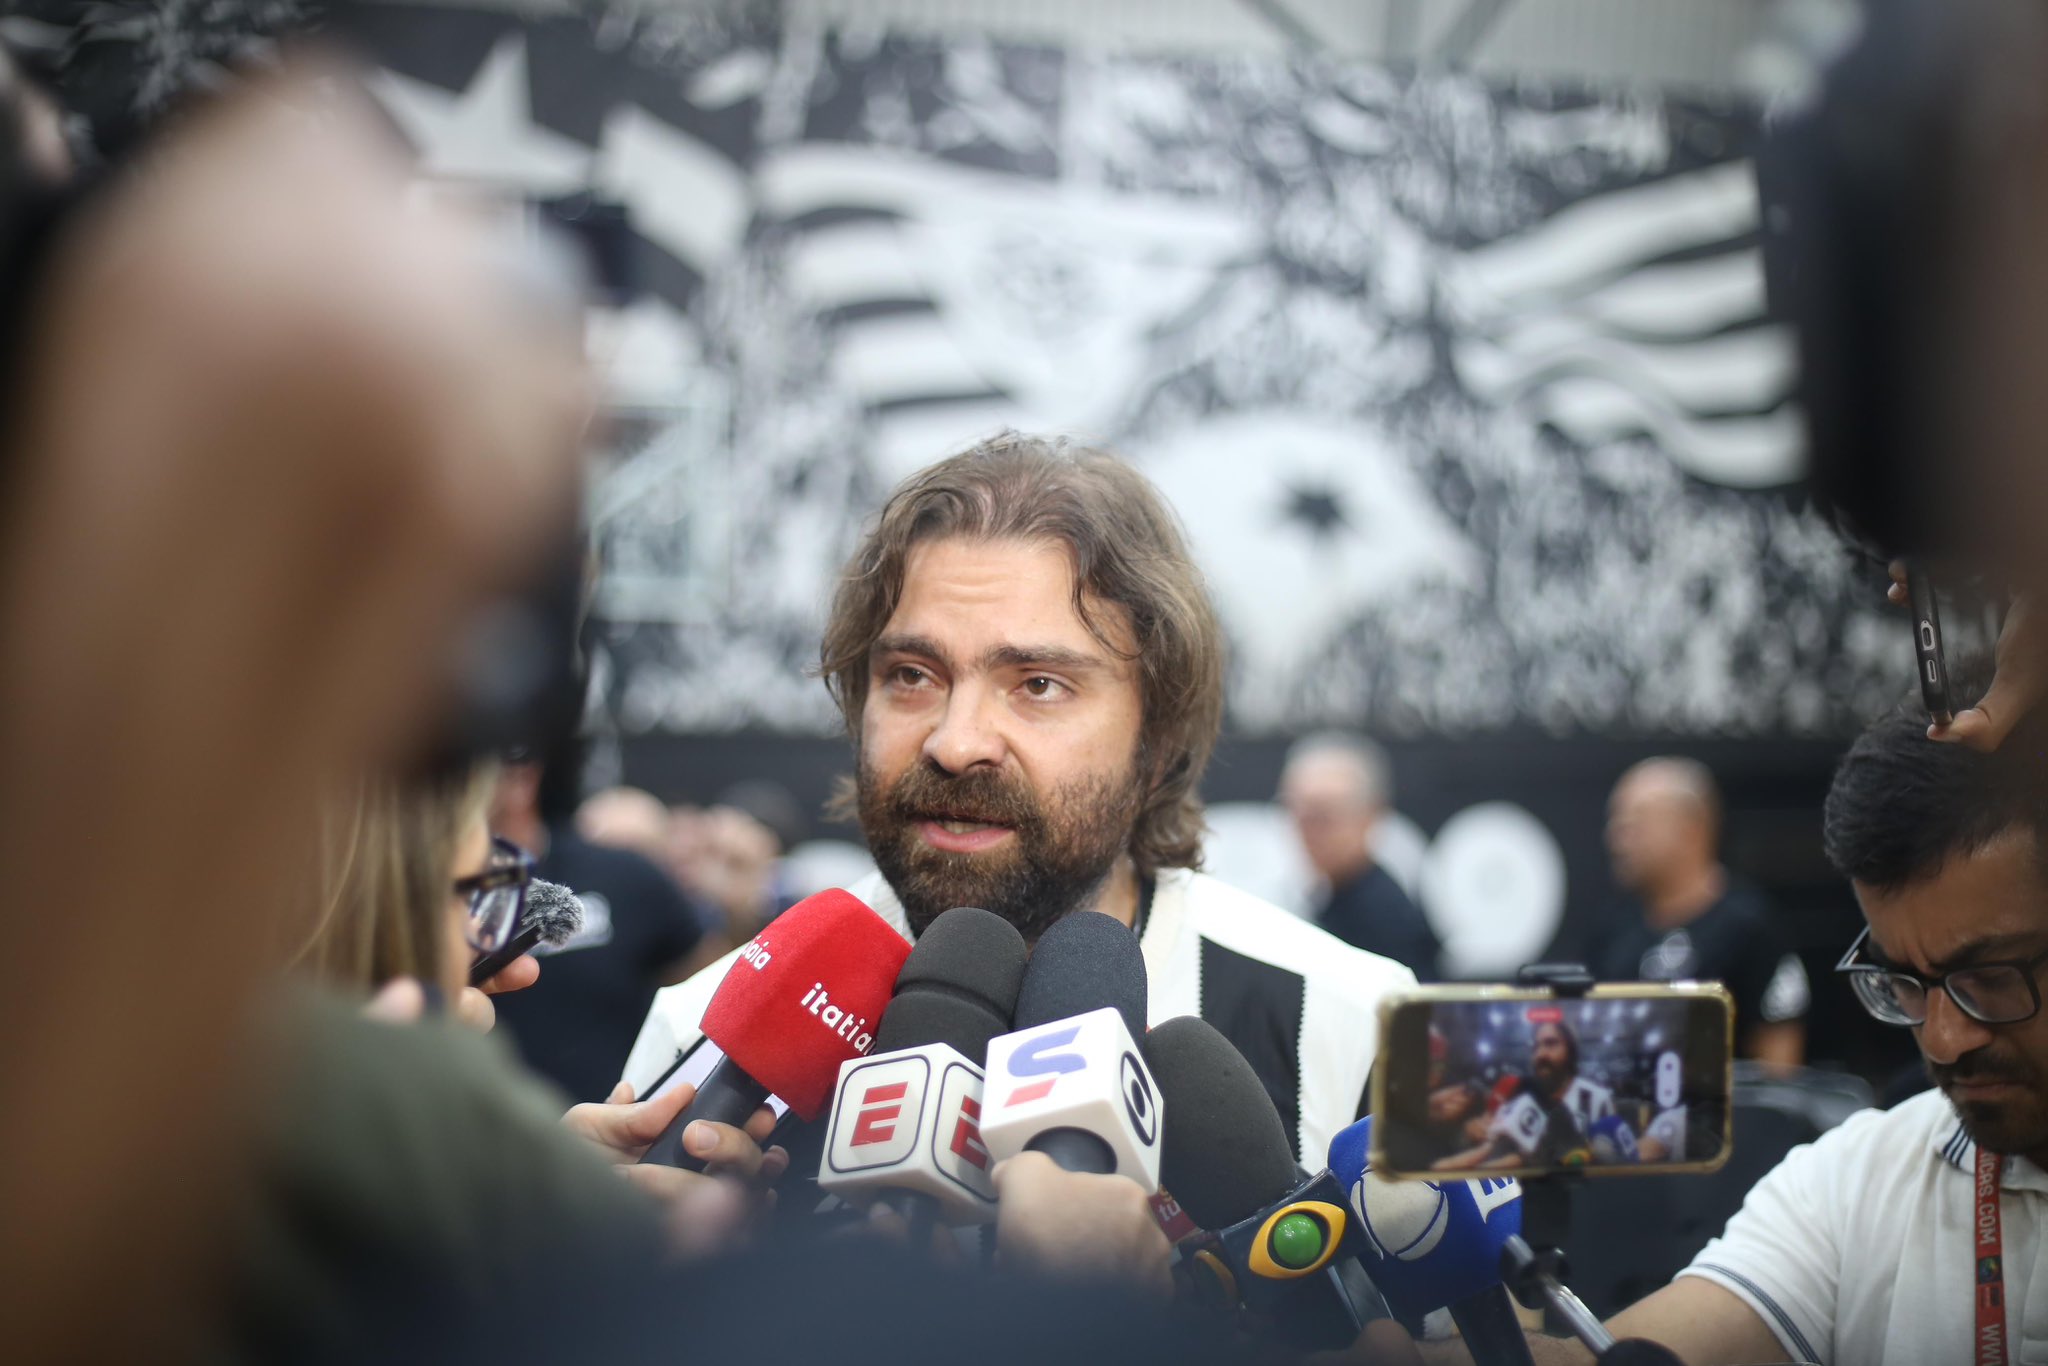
(1973, 1069)
(978, 795)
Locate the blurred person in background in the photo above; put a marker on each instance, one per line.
(639, 933)
(626, 818)
(1906, 205)
(730, 855)
(634, 819)
(724, 857)
(1336, 787)
(1684, 917)
(273, 434)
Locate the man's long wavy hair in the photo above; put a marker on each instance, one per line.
(1127, 551)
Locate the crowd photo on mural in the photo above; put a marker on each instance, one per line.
(891, 679)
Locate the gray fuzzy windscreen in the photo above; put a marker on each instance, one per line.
(553, 910)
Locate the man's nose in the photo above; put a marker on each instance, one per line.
(967, 733)
(1949, 1033)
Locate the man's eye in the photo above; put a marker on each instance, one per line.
(1044, 689)
(908, 676)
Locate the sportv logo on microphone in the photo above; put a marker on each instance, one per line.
(1042, 1056)
(1082, 1072)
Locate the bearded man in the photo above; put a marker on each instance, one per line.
(1032, 675)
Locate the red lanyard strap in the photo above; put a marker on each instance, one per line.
(1990, 1262)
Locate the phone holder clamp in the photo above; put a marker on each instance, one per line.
(1533, 1265)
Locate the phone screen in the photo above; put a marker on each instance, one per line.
(1625, 1079)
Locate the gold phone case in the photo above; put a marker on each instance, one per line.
(1611, 991)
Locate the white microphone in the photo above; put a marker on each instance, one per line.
(908, 1122)
(1069, 1081)
(905, 1119)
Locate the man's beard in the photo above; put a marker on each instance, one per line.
(1549, 1077)
(2015, 1126)
(1060, 852)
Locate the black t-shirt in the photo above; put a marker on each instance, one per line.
(1736, 941)
(576, 1025)
(1371, 912)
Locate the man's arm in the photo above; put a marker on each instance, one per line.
(1704, 1324)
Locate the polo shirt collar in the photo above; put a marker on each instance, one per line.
(1953, 1143)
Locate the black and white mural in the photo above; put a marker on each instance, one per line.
(1467, 395)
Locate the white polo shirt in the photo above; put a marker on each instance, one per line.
(1860, 1248)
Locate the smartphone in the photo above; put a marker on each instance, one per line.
(1927, 652)
(1629, 1078)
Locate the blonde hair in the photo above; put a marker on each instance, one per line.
(384, 879)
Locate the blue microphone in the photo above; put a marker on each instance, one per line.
(1613, 1142)
(1437, 1244)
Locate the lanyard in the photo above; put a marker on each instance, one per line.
(1990, 1262)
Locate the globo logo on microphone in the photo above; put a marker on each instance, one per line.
(1083, 1072)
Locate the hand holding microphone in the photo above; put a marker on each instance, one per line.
(803, 997)
(1078, 1226)
(703, 1210)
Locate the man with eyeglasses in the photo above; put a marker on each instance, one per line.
(1911, 1236)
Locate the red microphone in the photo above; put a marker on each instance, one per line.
(803, 997)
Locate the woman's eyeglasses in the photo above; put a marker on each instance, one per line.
(1989, 993)
(496, 896)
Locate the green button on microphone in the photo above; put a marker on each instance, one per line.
(1297, 1241)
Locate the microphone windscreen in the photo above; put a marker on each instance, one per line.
(1428, 1243)
(1083, 962)
(958, 987)
(552, 910)
(1224, 1153)
(805, 996)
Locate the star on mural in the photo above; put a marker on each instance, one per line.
(487, 133)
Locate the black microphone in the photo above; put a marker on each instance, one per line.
(906, 1120)
(1277, 1239)
(553, 915)
(1068, 1079)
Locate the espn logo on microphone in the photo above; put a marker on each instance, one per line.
(909, 1120)
(1083, 1072)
